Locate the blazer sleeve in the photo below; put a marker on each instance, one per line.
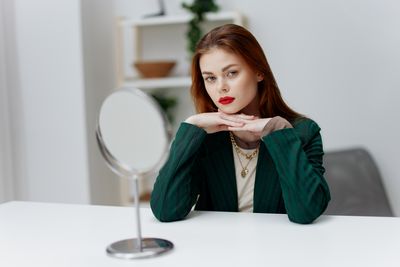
(176, 188)
(297, 154)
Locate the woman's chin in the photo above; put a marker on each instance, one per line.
(229, 110)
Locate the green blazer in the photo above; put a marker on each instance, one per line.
(200, 170)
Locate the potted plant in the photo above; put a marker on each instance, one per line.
(198, 8)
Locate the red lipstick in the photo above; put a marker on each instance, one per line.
(226, 100)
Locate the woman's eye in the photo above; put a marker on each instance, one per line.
(210, 79)
(232, 73)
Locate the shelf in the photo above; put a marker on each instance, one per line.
(179, 19)
(137, 27)
(167, 82)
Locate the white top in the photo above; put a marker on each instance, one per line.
(48, 235)
(245, 185)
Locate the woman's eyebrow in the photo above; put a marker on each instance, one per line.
(227, 67)
(207, 73)
(223, 69)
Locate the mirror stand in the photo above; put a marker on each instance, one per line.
(122, 146)
(139, 247)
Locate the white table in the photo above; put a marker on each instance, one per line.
(45, 234)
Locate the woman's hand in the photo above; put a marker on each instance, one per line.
(212, 122)
(247, 127)
(262, 127)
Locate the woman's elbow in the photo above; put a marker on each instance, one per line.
(302, 219)
(164, 214)
(311, 215)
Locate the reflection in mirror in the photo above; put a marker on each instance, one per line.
(133, 135)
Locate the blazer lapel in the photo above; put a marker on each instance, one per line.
(267, 190)
(221, 175)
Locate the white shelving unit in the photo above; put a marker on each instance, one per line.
(182, 18)
(167, 82)
(138, 25)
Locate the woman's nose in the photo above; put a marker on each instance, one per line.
(222, 86)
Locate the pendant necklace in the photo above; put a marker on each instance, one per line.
(248, 156)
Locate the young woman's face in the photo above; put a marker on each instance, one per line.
(230, 82)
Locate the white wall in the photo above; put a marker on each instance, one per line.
(51, 156)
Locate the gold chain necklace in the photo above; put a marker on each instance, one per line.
(239, 152)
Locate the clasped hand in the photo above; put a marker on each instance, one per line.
(247, 127)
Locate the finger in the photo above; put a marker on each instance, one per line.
(241, 115)
(230, 118)
(246, 117)
(236, 129)
(222, 128)
(236, 118)
(230, 122)
(233, 124)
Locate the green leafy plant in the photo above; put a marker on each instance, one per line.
(198, 8)
(166, 103)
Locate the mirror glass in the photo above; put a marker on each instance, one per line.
(134, 133)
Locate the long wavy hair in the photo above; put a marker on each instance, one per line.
(236, 39)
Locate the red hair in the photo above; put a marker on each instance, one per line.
(238, 40)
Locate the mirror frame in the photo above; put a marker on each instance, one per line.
(122, 168)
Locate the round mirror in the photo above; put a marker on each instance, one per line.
(134, 135)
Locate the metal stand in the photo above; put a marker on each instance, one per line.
(139, 247)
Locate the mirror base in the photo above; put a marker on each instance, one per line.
(129, 248)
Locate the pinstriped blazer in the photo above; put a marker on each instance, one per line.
(200, 170)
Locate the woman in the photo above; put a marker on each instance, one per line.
(245, 149)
